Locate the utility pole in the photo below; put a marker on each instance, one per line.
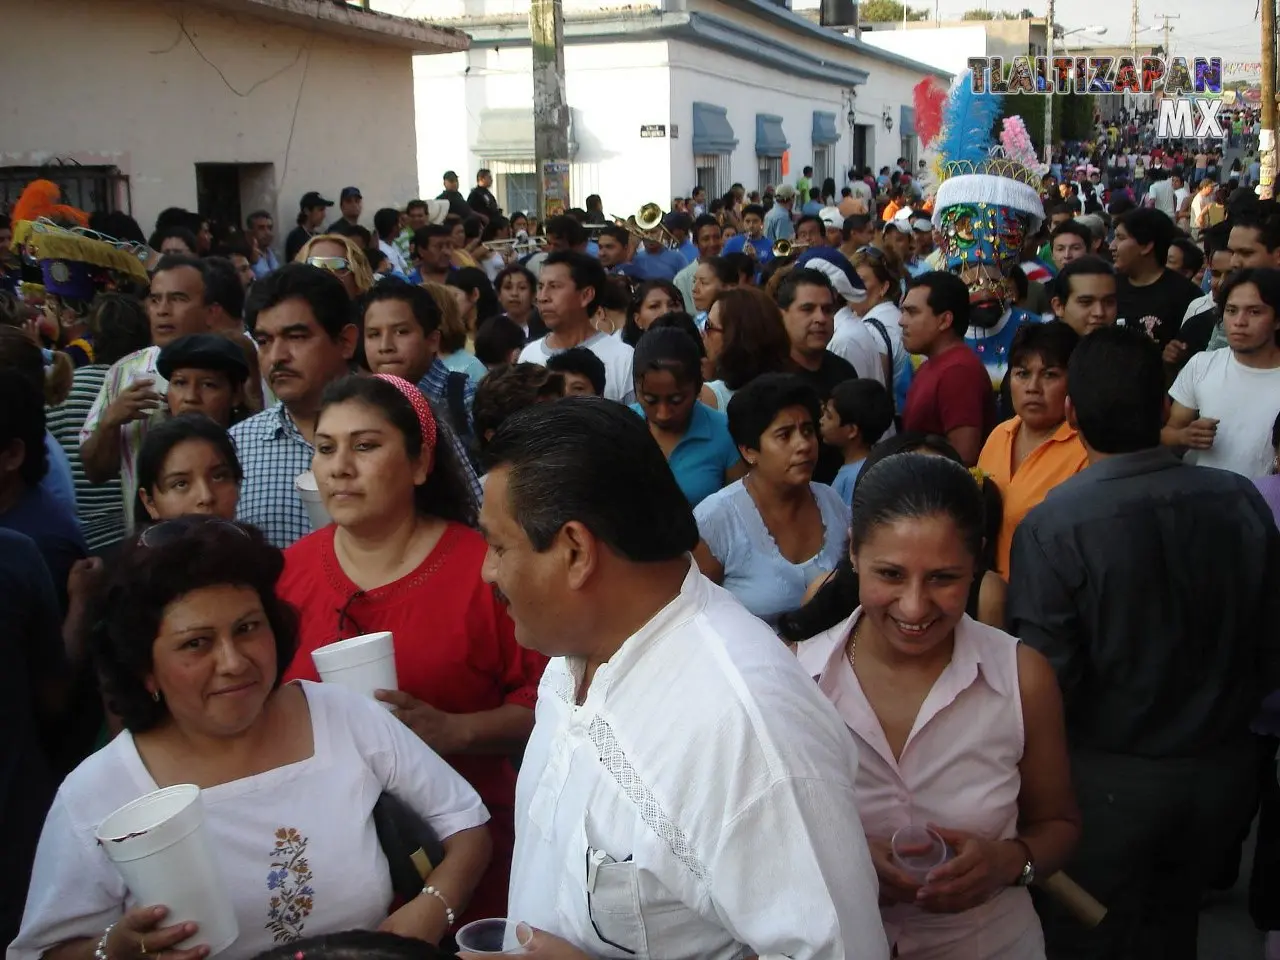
(1267, 137)
(1048, 100)
(550, 112)
(1134, 27)
(1166, 17)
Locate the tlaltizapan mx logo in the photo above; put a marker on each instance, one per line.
(1189, 89)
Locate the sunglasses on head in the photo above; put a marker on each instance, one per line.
(870, 251)
(332, 264)
(170, 531)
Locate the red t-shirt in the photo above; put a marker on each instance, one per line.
(950, 390)
(455, 650)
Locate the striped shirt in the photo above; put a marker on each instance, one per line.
(99, 506)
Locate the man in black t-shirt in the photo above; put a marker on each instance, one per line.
(1148, 294)
(481, 200)
(457, 202)
(809, 304)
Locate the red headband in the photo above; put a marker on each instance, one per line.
(426, 419)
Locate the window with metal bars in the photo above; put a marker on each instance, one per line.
(770, 169)
(92, 189)
(821, 165)
(712, 172)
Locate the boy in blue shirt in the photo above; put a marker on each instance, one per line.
(856, 416)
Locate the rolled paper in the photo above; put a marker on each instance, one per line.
(1077, 900)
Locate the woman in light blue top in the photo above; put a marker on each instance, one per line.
(477, 302)
(693, 437)
(771, 534)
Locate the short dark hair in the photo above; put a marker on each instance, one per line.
(496, 339)
(584, 363)
(421, 304)
(705, 220)
(446, 494)
(258, 215)
(668, 349)
(679, 320)
(802, 277)
(157, 239)
(424, 235)
(166, 435)
(855, 221)
(587, 273)
(756, 405)
(593, 461)
(119, 325)
(22, 418)
(1052, 342)
(617, 233)
(222, 286)
(319, 289)
(865, 404)
(755, 208)
(176, 261)
(1086, 266)
(1266, 279)
(947, 292)
(1268, 229)
(415, 205)
(386, 222)
(1116, 384)
(568, 229)
(144, 580)
(1149, 225)
(1075, 228)
(726, 270)
(810, 218)
(509, 389)
(356, 945)
(1192, 255)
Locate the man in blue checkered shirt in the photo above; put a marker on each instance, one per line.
(302, 321)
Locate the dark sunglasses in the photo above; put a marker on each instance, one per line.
(170, 531)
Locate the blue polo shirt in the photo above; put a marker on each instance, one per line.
(703, 455)
(763, 245)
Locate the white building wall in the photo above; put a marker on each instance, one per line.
(114, 82)
(947, 48)
(745, 89)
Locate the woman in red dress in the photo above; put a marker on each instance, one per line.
(402, 555)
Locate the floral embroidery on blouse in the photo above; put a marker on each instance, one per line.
(289, 881)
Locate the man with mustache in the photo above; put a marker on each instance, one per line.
(302, 320)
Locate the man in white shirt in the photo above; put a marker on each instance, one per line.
(570, 286)
(386, 224)
(687, 791)
(1225, 401)
(1161, 194)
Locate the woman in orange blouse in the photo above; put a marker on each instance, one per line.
(1037, 449)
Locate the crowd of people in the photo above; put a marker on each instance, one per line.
(717, 553)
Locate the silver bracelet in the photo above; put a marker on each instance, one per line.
(429, 891)
(100, 951)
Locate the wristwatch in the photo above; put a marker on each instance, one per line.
(1028, 874)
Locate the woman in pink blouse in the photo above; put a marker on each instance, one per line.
(960, 727)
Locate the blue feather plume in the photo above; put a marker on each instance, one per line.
(968, 122)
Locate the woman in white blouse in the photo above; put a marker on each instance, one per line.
(191, 644)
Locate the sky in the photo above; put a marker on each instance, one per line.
(1224, 28)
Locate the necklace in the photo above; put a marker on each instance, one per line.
(851, 651)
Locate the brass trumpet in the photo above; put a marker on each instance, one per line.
(646, 225)
(516, 245)
(785, 248)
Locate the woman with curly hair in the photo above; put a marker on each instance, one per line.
(191, 643)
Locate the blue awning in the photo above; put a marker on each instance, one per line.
(770, 140)
(907, 122)
(711, 130)
(824, 129)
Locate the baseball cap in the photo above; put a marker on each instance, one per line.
(203, 351)
(902, 226)
(785, 192)
(350, 193)
(310, 200)
(450, 175)
(830, 217)
(922, 225)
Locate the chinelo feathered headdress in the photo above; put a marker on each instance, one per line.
(66, 257)
(987, 194)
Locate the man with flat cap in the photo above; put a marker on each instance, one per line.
(206, 374)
